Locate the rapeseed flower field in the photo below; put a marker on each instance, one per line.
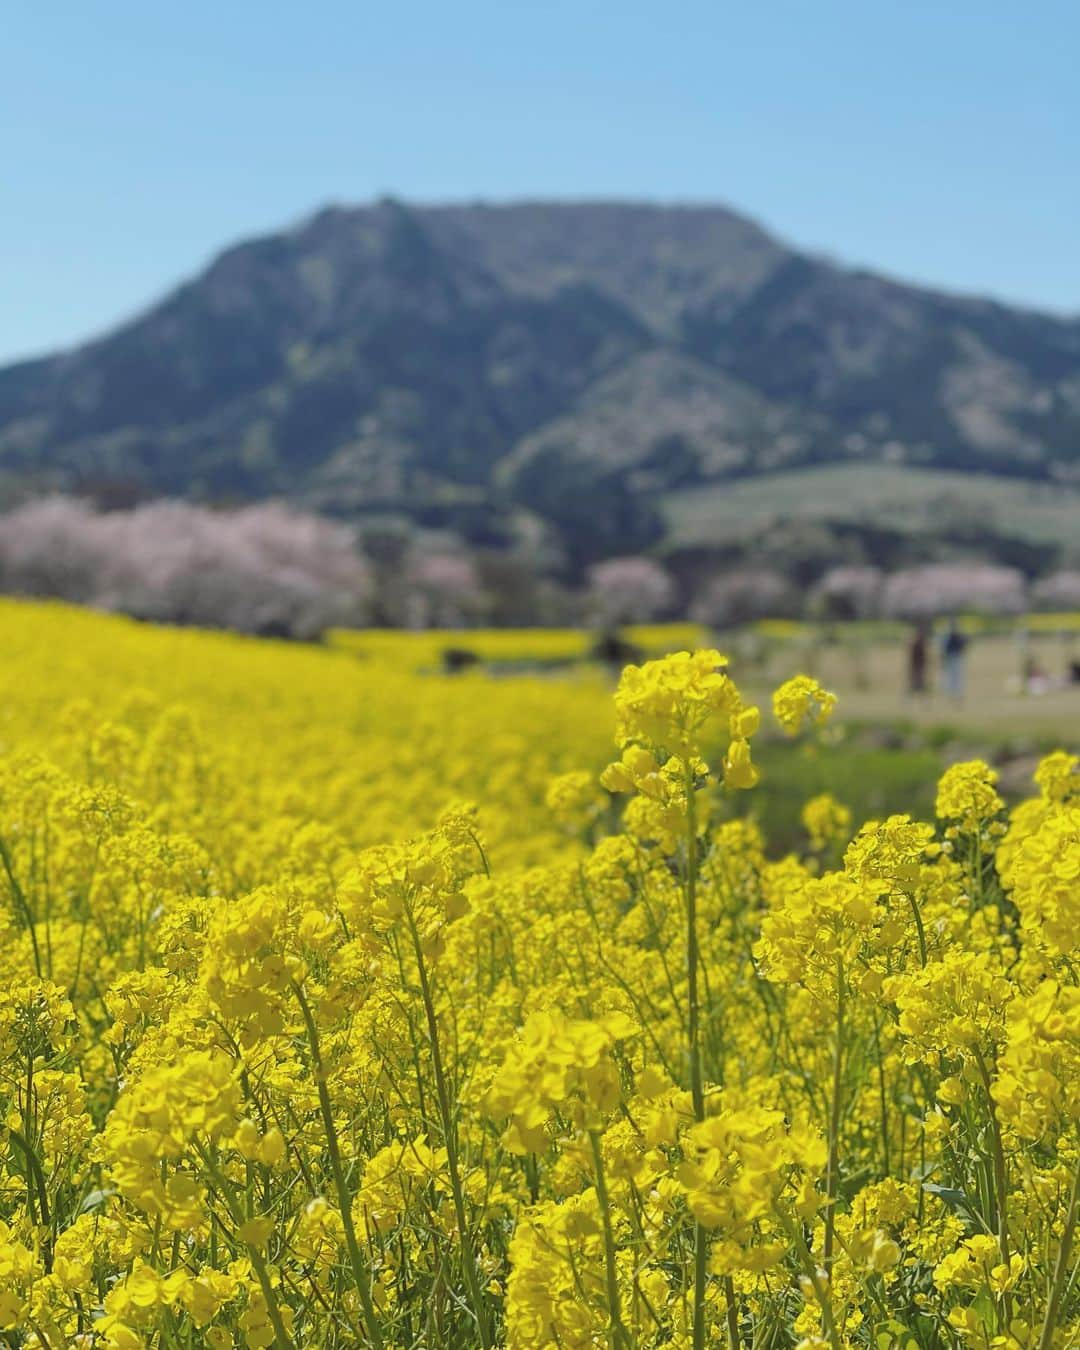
(347, 1004)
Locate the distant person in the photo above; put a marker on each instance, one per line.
(1071, 674)
(1022, 635)
(954, 647)
(1036, 679)
(918, 660)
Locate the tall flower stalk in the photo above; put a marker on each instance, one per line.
(664, 710)
(448, 1120)
(697, 1085)
(360, 1269)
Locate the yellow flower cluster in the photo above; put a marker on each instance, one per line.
(301, 1048)
(801, 701)
(826, 821)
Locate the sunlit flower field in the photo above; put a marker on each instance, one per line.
(346, 1002)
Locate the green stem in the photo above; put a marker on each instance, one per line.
(449, 1126)
(697, 1088)
(883, 1095)
(617, 1330)
(1061, 1266)
(361, 1275)
(19, 896)
(820, 1286)
(732, 1313)
(282, 1339)
(1001, 1183)
(918, 926)
(834, 1118)
(693, 1028)
(997, 1154)
(33, 1168)
(281, 1336)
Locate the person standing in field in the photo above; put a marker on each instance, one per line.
(954, 646)
(918, 656)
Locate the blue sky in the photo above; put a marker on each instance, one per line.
(934, 141)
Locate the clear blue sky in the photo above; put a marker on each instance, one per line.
(937, 140)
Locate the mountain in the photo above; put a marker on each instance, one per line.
(470, 366)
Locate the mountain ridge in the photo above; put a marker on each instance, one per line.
(333, 207)
(569, 361)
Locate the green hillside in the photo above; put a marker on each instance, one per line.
(897, 498)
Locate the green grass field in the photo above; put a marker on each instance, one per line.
(869, 674)
(897, 497)
(887, 749)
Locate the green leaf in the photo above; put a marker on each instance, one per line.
(955, 1199)
(95, 1200)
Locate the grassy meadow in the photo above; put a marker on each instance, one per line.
(904, 498)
